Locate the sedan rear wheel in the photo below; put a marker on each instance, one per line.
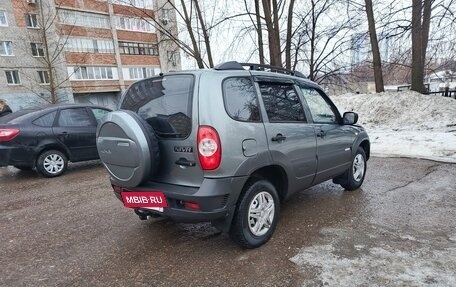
(52, 163)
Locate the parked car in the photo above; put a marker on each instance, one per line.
(227, 145)
(47, 138)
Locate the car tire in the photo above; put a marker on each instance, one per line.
(255, 219)
(353, 178)
(51, 163)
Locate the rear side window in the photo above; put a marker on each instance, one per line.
(163, 102)
(46, 120)
(240, 99)
(282, 103)
(74, 118)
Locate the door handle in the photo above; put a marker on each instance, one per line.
(279, 138)
(184, 162)
(64, 134)
(321, 134)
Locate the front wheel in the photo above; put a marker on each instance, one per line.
(51, 163)
(256, 215)
(354, 176)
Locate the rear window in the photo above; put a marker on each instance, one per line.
(163, 102)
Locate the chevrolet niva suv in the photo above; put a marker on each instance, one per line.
(227, 145)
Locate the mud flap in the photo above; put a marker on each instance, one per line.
(224, 224)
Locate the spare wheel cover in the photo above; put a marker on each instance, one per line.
(125, 146)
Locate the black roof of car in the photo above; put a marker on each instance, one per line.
(40, 110)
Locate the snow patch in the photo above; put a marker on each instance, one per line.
(406, 124)
(381, 265)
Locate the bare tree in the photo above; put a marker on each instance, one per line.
(323, 44)
(259, 31)
(271, 17)
(289, 35)
(186, 16)
(48, 43)
(205, 33)
(192, 16)
(421, 15)
(378, 75)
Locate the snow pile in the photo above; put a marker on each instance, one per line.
(406, 124)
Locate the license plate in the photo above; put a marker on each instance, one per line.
(153, 200)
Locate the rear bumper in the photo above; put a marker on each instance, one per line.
(216, 197)
(14, 155)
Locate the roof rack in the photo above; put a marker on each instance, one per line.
(233, 65)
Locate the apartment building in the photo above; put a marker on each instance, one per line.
(85, 51)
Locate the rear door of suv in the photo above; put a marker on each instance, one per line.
(166, 104)
(290, 137)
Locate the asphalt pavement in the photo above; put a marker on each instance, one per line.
(399, 229)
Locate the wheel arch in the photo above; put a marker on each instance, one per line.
(274, 174)
(52, 146)
(365, 144)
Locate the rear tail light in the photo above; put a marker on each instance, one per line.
(209, 148)
(8, 134)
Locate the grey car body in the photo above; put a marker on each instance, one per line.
(273, 127)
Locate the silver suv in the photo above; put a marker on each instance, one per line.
(227, 145)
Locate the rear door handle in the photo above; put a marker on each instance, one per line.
(321, 134)
(279, 138)
(184, 162)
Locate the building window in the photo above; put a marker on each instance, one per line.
(3, 20)
(6, 48)
(93, 73)
(134, 24)
(31, 20)
(165, 13)
(148, 4)
(130, 48)
(77, 18)
(173, 57)
(83, 45)
(140, 73)
(12, 77)
(37, 49)
(43, 77)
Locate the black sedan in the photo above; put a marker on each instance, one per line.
(47, 138)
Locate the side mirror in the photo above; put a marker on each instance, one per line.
(350, 118)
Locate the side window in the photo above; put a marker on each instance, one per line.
(45, 121)
(321, 110)
(282, 103)
(99, 113)
(74, 118)
(240, 99)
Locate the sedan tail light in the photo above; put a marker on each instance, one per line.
(209, 148)
(8, 134)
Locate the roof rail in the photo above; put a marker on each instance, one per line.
(233, 65)
(269, 68)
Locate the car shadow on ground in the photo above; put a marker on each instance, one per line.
(73, 168)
